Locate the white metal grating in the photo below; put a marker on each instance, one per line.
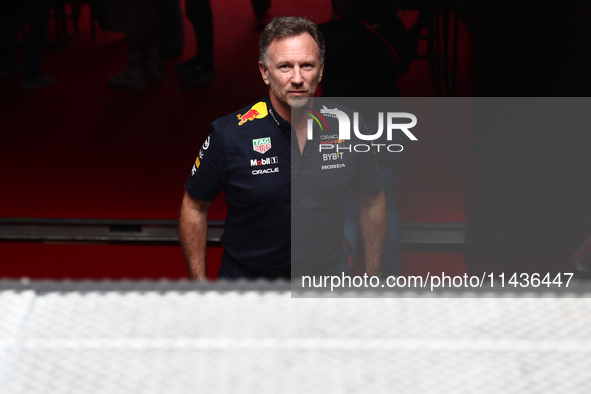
(172, 341)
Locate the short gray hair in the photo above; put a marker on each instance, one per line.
(289, 26)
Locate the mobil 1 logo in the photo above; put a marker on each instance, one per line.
(263, 162)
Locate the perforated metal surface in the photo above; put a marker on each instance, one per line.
(251, 341)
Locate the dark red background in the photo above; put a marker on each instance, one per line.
(81, 150)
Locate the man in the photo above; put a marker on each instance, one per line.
(199, 68)
(137, 19)
(249, 155)
(383, 50)
(14, 15)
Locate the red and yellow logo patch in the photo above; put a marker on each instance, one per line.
(257, 111)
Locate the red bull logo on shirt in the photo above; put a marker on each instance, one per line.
(257, 111)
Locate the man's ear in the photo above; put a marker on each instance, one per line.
(321, 71)
(264, 72)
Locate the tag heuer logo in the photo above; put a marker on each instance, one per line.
(262, 144)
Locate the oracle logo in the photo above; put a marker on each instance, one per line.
(265, 171)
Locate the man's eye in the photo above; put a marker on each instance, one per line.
(284, 66)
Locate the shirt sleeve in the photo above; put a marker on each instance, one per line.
(208, 174)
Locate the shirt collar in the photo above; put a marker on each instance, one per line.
(281, 123)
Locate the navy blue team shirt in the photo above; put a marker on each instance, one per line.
(320, 180)
(269, 230)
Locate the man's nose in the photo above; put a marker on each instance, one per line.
(297, 78)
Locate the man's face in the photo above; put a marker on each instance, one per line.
(294, 68)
